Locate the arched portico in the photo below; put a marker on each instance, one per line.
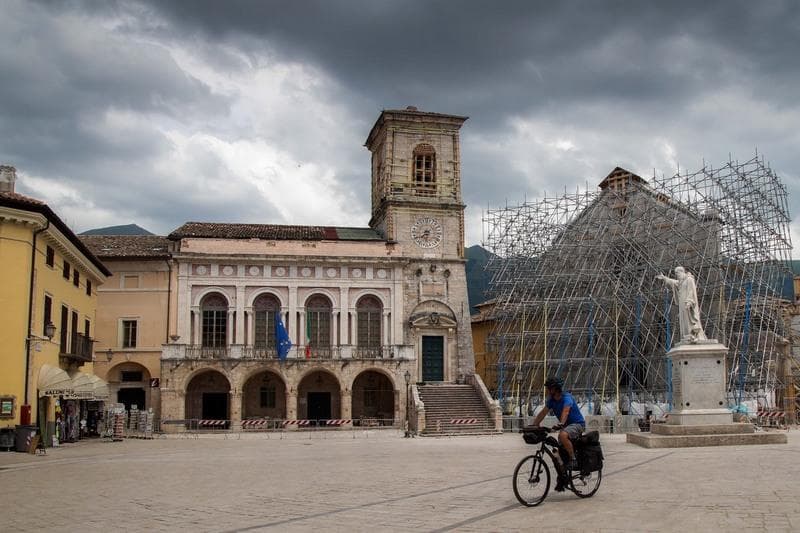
(208, 396)
(374, 398)
(264, 396)
(319, 396)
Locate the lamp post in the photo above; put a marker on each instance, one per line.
(407, 377)
(109, 355)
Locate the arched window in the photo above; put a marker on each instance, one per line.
(370, 314)
(424, 171)
(265, 309)
(214, 308)
(318, 323)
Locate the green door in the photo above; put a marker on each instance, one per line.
(432, 358)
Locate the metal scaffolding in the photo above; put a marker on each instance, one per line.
(575, 295)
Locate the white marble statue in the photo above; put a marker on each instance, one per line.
(685, 292)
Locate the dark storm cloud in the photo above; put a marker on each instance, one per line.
(558, 93)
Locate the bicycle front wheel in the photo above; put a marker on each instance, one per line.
(585, 485)
(531, 481)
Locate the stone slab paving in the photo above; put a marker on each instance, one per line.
(335, 482)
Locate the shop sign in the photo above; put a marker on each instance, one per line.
(6, 406)
(57, 392)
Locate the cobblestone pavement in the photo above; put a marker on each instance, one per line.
(336, 482)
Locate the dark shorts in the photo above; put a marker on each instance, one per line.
(574, 430)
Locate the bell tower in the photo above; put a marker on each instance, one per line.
(416, 181)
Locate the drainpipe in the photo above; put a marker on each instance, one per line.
(169, 296)
(30, 316)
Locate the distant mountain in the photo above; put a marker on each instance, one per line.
(128, 229)
(477, 277)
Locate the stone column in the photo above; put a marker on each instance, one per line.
(291, 321)
(344, 294)
(251, 326)
(196, 335)
(291, 404)
(353, 319)
(334, 332)
(235, 408)
(346, 400)
(385, 329)
(239, 315)
(229, 336)
(301, 337)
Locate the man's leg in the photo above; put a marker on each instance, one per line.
(563, 438)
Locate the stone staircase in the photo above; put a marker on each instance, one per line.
(447, 402)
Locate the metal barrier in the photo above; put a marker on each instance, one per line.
(193, 428)
(771, 418)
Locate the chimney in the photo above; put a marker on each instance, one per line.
(8, 175)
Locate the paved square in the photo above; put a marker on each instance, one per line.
(380, 482)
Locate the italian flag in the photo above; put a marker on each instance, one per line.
(308, 336)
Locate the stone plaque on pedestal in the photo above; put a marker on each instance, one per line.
(698, 384)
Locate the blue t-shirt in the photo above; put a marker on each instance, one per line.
(557, 407)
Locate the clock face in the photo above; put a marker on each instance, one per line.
(427, 232)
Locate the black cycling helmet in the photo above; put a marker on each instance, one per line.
(554, 383)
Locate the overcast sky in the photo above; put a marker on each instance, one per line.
(163, 112)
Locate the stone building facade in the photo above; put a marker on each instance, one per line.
(370, 311)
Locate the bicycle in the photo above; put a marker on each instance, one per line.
(533, 475)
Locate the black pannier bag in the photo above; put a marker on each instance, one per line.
(590, 458)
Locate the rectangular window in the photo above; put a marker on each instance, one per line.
(74, 336)
(87, 328)
(319, 324)
(130, 282)
(369, 329)
(265, 329)
(76, 278)
(88, 288)
(129, 332)
(48, 313)
(64, 329)
(267, 397)
(50, 257)
(130, 375)
(215, 324)
(66, 272)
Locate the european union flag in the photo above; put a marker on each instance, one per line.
(282, 338)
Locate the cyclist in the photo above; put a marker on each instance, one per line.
(563, 407)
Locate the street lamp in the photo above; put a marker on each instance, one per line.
(50, 330)
(109, 355)
(407, 377)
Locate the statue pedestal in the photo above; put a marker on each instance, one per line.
(699, 416)
(698, 384)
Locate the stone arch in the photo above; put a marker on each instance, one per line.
(208, 290)
(129, 384)
(373, 398)
(208, 395)
(380, 295)
(264, 395)
(262, 291)
(316, 291)
(319, 395)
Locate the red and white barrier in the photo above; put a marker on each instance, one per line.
(212, 423)
(459, 421)
(296, 423)
(254, 424)
(337, 422)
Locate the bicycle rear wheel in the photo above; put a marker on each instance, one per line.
(585, 485)
(531, 481)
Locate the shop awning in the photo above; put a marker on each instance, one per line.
(100, 388)
(82, 387)
(53, 381)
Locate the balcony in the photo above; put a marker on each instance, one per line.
(297, 353)
(79, 350)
